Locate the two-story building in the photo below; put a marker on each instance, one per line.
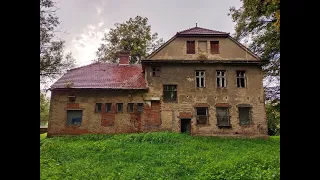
(201, 82)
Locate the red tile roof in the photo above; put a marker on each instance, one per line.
(200, 31)
(103, 76)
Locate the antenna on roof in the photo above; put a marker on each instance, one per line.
(196, 24)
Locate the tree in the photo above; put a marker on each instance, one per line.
(53, 62)
(259, 20)
(273, 117)
(134, 36)
(44, 109)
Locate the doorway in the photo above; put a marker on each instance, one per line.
(185, 126)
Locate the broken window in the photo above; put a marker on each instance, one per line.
(119, 107)
(98, 107)
(170, 93)
(214, 47)
(202, 46)
(200, 78)
(155, 71)
(130, 107)
(241, 79)
(140, 107)
(202, 115)
(244, 115)
(191, 48)
(221, 78)
(74, 117)
(108, 107)
(223, 118)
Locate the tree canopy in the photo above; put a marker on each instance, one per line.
(44, 109)
(53, 60)
(134, 36)
(259, 22)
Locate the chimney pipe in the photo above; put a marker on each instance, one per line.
(124, 57)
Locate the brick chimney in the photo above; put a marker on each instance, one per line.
(124, 57)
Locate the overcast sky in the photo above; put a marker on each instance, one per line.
(87, 20)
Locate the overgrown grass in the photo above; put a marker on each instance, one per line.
(43, 136)
(158, 156)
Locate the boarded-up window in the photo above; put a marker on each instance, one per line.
(202, 115)
(214, 47)
(74, 117)
(108, 107)
(200, 79)
(244, 115)
(221, 78)
(155, 71)
(202, 46)
(98, 107)
(191, 48)
(223, 118)
(140, 107)
(130, 107)
(170, 93)
(241, 79)
(119, 107)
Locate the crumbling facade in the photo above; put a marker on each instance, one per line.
(201, 82)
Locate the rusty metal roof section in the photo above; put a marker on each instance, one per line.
(103, 76)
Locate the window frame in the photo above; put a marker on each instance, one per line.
(189, 50)
(220, 77)
(226, 116)
(244, 77)
(128, 107)
(198, 116)
(72, 124)
(117, 106)
(138, 110)
(97, 107)
(217, 43)
(156, 72)
(200, 77)
(106, 107)
(175, 91)
(249, 121)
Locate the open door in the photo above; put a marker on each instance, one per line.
(186, 126)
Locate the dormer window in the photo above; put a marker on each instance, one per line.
(191, 48)
(214, 47)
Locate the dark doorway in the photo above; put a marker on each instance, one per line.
(185, 126)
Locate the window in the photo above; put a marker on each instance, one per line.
(119, 107)
(223, 118)
(170, 93)
(74, 117)
(108, 107)
(202, 46)
(241, 79)
(140, 107)
(221, 79)
(98, 107)
(202, 115)
(155, 71)
(214, 47)
(200, 79)
(191, 48)
(244, 115)
(130, 107)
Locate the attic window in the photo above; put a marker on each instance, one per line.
(98, 107)
(191, 48)
(155, 71)
(214, 47)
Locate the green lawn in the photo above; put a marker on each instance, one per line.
(158, 156)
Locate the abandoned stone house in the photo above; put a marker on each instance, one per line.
(201, 81)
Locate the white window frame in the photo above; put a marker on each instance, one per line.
(202, 77)
(221, 78)
(240, 76)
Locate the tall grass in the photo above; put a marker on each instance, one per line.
(160, 155)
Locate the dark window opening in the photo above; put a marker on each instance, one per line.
(221, 78)
(119, 107)
(202, 115)
(98, 107)
(223, 118)
(130, 107)
(241, 77)
(170, 93)
(214, 47)
(200, 78)
(74, 117)
(108, 107)
(191, 48)
(244, 115)
(156, 71)
(140, 107)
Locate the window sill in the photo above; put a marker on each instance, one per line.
(221, 126)
(245, 125)
(203, 125)
(170, 101)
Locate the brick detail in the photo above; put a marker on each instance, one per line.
(185, 115)
(72, 106)
(222, 105)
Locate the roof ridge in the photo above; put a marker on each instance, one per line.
(186, 30)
